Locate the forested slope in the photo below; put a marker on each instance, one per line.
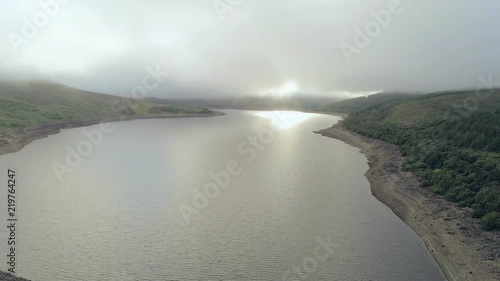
(451, 141)
(361, 103)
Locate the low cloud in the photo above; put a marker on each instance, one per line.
(257, 46)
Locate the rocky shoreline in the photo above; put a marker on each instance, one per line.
(456, 241)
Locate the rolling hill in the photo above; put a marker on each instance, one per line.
(451, 142)
(361, 103)
(38, 103)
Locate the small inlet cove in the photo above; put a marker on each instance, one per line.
(251, 195)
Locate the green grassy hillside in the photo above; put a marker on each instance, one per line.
(361, 103)
(24, 104)
(451, 141)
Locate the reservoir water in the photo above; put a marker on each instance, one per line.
(247, 196)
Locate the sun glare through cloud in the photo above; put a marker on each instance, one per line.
(228, 140)
(288, 88)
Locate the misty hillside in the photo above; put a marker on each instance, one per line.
(39, 103)
(358, 104)
(300, 103)
(451, 141)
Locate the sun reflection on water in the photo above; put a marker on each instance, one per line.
(284, 119)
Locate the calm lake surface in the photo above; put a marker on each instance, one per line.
(126, 211)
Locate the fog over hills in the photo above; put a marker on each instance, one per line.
(209, 49)
(37, 103)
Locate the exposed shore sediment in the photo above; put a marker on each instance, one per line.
(455, 240)
(13, 140)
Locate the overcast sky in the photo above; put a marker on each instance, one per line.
(242, 47)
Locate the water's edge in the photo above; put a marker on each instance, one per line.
(13, 140)
(56, 129)
(400, 192)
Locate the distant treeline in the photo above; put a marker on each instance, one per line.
(450, 141)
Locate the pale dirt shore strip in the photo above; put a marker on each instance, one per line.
(463, 251)
(451, 236)
(13, 140)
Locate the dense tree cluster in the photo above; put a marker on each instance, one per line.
(456, 157)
